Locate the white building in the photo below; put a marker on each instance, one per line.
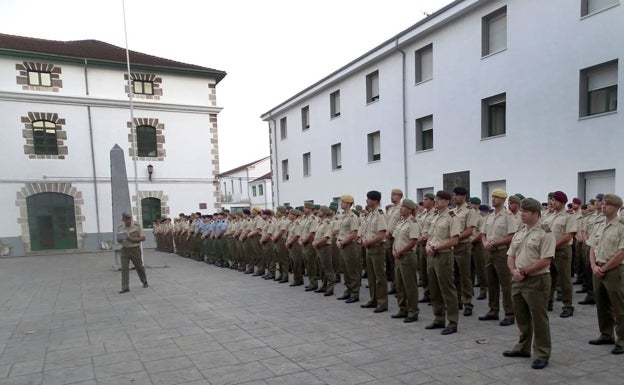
(514, 94)
(64, 105)
(246, 186)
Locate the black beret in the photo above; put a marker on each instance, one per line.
(246, 211)
(443, 194)
(460, 191)
(374, 195)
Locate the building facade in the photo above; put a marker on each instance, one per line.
(245, 186)
(65, 105)
(520, 95)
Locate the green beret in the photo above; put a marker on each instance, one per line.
(531, 204)
(520, 196)
(410, 204)
(358, 207)
(295, 212)
(317, 207)
(514, 199)
(281, 209)
(474, 201)
(430, 196)
(325, 210)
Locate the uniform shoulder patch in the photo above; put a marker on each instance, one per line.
(452, 213)
(546, 227)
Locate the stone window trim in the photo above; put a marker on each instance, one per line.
(27, 134)
(26, 66)
(144, 77)
(136, 199)
(30, 189)
(160, 139)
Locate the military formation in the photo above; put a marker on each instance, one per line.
(518, 252)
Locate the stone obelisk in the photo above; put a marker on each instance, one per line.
(120, 194)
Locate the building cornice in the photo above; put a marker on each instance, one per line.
(110, 103)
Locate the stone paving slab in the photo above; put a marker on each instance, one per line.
(62, 321)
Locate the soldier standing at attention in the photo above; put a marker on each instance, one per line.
(498, 228)
(373, 241)
(564, 227)
(607, 262)
(322, 245)
(392, 217)
(130, 235)
(406, 236)
(529, 258)
(478, 252)
(443, 236)
(308, 228)
(294, 248)
(279, 242)
(347, 244)
(425, 218)
(468, 221)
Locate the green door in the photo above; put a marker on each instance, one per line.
(51, 221)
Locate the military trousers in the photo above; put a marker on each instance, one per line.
(530, 300)
(561, 274)
(353, 269)
(499, 281)
(377, 282)
(282, 257)
(296, 260)
(478, 259)
(407, 284)
(422, 270)
(311, 264)
(324, 253)
(463, 277)
(337, 261)
(609, 296)
(588, 281)
(442, 287)
(131, 254)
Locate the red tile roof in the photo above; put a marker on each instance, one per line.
(96, 50)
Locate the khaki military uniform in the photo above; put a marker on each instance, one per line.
(323, 234)
(295, 251)
(478, 258)
(530, 295)
(131, 251)
(468, 217)
(308, 226)
(425, 219)
(392, 217)
(350, 256)
(562, 223)
(496, 227)
(281, 232)
(606, 241)
(440, 270)
(268, 249)
(375, 259)
(407, 266)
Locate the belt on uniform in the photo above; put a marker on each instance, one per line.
(442, 252)
(600, 264)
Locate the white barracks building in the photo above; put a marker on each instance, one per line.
(517, 94)
(64, 105)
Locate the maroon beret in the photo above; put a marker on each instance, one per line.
(560, 196)
(442, 194)
(577, 201)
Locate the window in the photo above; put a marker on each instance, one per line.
(598, 89)
(589, 7)
(424, 133)
(493, 116)
(143, 87)
(372, 87)
(150, 209)
(285, 169)
(593, 183)
(146, 141)
(374, 152)
(424, 64)
(334, 104)
(39, 78)
(253, 191)
(307, 164)
(44, 137)
(305, 118)
(260, 190)
(336, 156)
(283, 128)
(494, 32)
(421, 192)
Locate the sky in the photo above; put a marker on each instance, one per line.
(270, 49)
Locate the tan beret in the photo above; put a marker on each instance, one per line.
(325, 210)
(308, 205)
(347, 198)
(612, 200)
(295, 212)
(499, 193)
(410, 204)
(397, 191)
(514, 199)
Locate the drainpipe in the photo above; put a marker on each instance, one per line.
(95, 189)
(276, 201)
(404, 118)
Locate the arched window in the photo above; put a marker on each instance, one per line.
(150, 208)
(44, 137)
(146, 141)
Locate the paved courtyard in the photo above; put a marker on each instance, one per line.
(62, 321)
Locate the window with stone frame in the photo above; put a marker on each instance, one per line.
(144, 86)
(36, 76)
(146, 139)
(44, 135)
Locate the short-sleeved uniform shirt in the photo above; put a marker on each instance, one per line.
(323, 229)
(468, 217)
(375, 222)
(498, 225)
(443, 227)
(529, 245)
(607, 239)
(134, 230)
(294, 230)
(426, 218)
(349, 223)
(405, 230)
(561, 223)
(392, 218)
